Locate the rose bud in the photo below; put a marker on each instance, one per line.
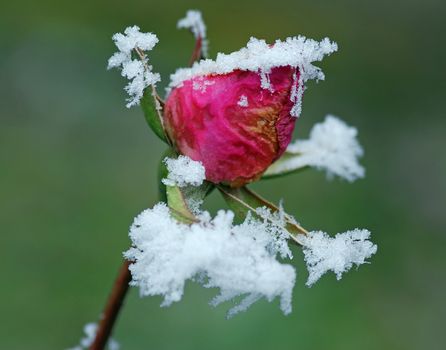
(230, 124)
(236, 115)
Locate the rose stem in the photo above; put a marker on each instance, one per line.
(112, 307)
(197, 54)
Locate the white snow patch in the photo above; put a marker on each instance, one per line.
(238, 259)
(138, 71)
(194, 22)
(258, 56)
(332, 146)
(90, 330)
(184, 171)
(338, 254)
(243, 101)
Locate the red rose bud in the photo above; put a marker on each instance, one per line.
(231, 123)
(236, 114)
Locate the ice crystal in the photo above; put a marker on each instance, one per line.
(243, 101)
(138, 71)
(183, 171)
(201, 84)
(338, 254)
(277, 221)
(238, 259)
(260, 57)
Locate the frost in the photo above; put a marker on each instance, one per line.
(338, 254)
(265, 82)
(260, 57)
(194, 198)
(332, 146)
(90, 330)
(139, 72)
(194, 22)
(277, 222)
(297, 91)
(201, 84)
(184, 171)
(243, 101)
(240, 260)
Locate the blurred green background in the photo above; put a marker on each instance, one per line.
(76, 166)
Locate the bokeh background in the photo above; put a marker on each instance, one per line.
(76, 166)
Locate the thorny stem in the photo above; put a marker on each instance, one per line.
(112, 307)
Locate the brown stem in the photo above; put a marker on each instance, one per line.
(112, 308)
(197, 54)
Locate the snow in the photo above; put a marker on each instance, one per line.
(183, 171)
(297, 92)
(260, 57)
(332, 146)
(243, 101)
(338, 254)
(90, 330)
(194, 198)
(133, 38)
(194, 22)
(240, 260)
(137, 71)
(277, 221)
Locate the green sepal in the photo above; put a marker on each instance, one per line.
(178, 198)
(172, 195)
(178, 205)
(152, 114)
(274, 171)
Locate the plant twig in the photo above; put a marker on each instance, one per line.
(197, 54)
(294, 226)
(112, 307)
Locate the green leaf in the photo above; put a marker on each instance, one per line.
(283, 166)
(153, 115)
(242, 200)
